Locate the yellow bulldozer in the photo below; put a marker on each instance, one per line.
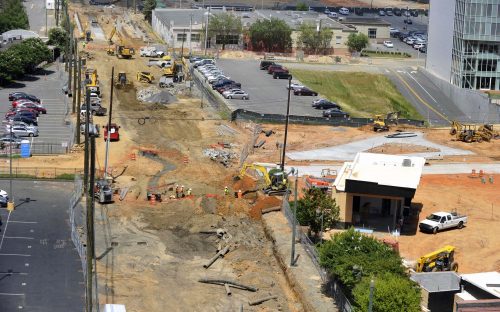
(145, 77)
(121, 81)
(120, 50)
(380, 124)
(438, 260)
(274, 181)
(473, 133)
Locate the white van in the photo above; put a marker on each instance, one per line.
(344, 11)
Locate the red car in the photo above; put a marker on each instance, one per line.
(114, 135)
(39, 108)
(227, 87)
(21, 101)
(272, 68)
(14, 111)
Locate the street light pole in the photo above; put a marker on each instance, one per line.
(286, 123)
(206, 30)
(294, 221)
(190, 32)
(10, 204)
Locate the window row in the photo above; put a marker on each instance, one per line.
(184, 37)
(481, 9)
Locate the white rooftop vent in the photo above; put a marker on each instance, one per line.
(407, 162)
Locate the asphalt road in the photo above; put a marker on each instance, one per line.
(267, 95)
(46, 86)
(38, 16)
(39, 267)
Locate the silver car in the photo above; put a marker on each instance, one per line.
(237, 94)
(23, 131)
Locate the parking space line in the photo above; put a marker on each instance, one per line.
(27, 222)
(15, 255)
(19, 237)
(5, 230)
(9, 294)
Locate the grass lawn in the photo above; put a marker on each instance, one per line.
(360, 94)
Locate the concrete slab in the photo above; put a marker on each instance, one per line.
(347, 152)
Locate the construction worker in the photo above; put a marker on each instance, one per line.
(226, 191)
(84, 44)
(189, 192)
(240, 194)
(177, 191)
(182, 191)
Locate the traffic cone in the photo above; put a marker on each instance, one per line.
(153, 199)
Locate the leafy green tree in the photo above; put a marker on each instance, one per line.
(58, 37)
(357, 42)
(301, 6)
(391, 293)
(315, 206)
(32, 52)
(226, 27)
(312, 40)
(13, 16)
(149, 6)
(350, 255)
(11, 66)
(271, 35)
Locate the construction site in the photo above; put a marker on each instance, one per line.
(182, 233)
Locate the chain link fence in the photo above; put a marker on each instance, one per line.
(77, 222)
(40, 173)
(332, 287)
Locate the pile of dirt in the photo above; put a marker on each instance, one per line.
(244, 184)
(263, 203)
(402, 148)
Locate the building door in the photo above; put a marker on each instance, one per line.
(386, 207)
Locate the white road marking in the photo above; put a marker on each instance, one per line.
(400, 71)
(18, 255)
(413, 72)
(9, 294)
(387, 71)
(5, 230)
(19, 237)
(423, 88)
(14, 273)
(26, 222)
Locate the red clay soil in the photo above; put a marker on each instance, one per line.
(244, 184)
(263, 203)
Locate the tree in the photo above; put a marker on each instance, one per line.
(350, 255)
(391, 293)
(149, 6)
(301, 6)
(226, 28)
(357, 42)
(315, 206)
(11, 66)
(58, 37)
(312, 40)
(13, 16)
(271, 35)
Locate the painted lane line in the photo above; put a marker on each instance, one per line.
(16, 255)
(423, 88)
(26, 222)
(14, 273)
(19, 237)
(5, 230)
(9, 294)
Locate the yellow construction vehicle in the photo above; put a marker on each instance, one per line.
(472, 133)
(275, 181)
(439, 260)
(167, 65)
(121, 81)
(381, 124)
(120, 50)
(91, 81)
(145, 77)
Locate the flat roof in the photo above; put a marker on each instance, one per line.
(487, 281)
(295, 18)
(365, 21)
(180, 17)
(383, 169)
(437, 281)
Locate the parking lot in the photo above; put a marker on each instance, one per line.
(267, 95)
(46, 85)
(39, 267)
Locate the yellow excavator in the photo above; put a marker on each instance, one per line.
(381, 124)
(275, 181)
(91, 81)
(120, 50)
(121, 81)
(438, 260)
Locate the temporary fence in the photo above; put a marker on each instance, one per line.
(242, 114)
(40, 173)
(332, 286)
(77, 222)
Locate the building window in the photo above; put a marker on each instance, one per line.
(195, 37)
(227, 39)
(338, 40)
(181, 37)
(372, 33)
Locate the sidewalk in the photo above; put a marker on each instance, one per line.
(303, 278)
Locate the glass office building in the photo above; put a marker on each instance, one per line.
(475, 54)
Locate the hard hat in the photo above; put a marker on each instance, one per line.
(177, 185)
(182, 185)
(190, 189)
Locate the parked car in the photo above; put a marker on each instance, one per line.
(397, 12)
(21, 101)
(24, 131)
(26, 120)
(408, 21)
(414, 13)
(442, 220)
(410, 41)
(279, 71)
(335, 112)
(381, 13)
(22, 95)
(417, 46)
(333, 15)
(264, 65)
(227, 87)
(281, 75)
(388, 44)
(344, 11)
(389, 12)
(39, 108)
(24, 113)
(423, 49)
(406, 13)
(8, 140)
(150, 52)
(225, 82)
(237, 94)
(304, 91)
(203, 62)
(230, 90)
(324, 104)
(274, 67)
(3, 204)
(21, 111)
(95, 109)
(294, 86)
(358, 11)
(193, 59)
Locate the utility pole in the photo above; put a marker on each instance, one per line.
(294, 221)
(190, 32)
(75, 75)
(86, 158)
(370, 300)
(109, 122)
(286, 123)
(90, 222)
(10, 204)
(70, 59)
(78, 100)
(46, 21)
(206, 30)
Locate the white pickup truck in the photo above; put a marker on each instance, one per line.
(442, 220)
